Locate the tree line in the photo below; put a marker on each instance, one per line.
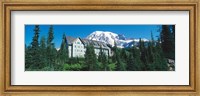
(41, 55)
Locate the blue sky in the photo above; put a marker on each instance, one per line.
(82, 31)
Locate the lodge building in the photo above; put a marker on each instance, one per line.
(77, 46)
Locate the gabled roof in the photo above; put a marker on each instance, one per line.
(94, 43)
(70, 40)
(86, 42)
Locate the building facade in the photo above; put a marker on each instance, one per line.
(77, 47)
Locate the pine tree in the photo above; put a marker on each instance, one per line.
(35, 43)
(63, 52)
(35, 54)
(141, 44)
(134, 62)
(43, 51)
(51, 54)
(120, 66)
(138, 62)
(114, 49)
(43, 43)
(173, 31)
(160, 60)
(28, 57)
(150, 54)
(100, 54)
(105, 61)
(144, 55)
(167, 41)
(90, 58)
(131, 63)
(173, 42)
(50, 35)
(124, 55)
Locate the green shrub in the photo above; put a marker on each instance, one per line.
(112, 66)
(72, 67)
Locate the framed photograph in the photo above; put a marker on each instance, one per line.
(100, 47)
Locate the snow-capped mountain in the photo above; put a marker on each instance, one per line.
(111, 38)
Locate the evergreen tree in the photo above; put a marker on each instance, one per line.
(105, 62)
(137, 60)
(124, 55)
(152, 39)
(103, 59)
(134, 62)
(144, 55)
(167, 41)
(63, 51)
(51, 54)
(173, 42)
(28, 57)
(173, 31)
(43, 43)
(35, 54)
(90, 58)
(100, 54)
(120, 66)
(43, 51)
(50, 35)
(150, 54)
(114, 49)
(131, 63)
(141, 44)
(160, 60)
(35, 43)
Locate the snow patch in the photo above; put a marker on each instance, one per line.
(112, 38)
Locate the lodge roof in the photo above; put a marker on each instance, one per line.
(70, 39)
(86, 42)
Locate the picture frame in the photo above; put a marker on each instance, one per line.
(96, 5)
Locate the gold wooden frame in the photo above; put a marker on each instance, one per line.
(157, 5)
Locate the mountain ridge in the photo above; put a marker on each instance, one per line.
(111, 38)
